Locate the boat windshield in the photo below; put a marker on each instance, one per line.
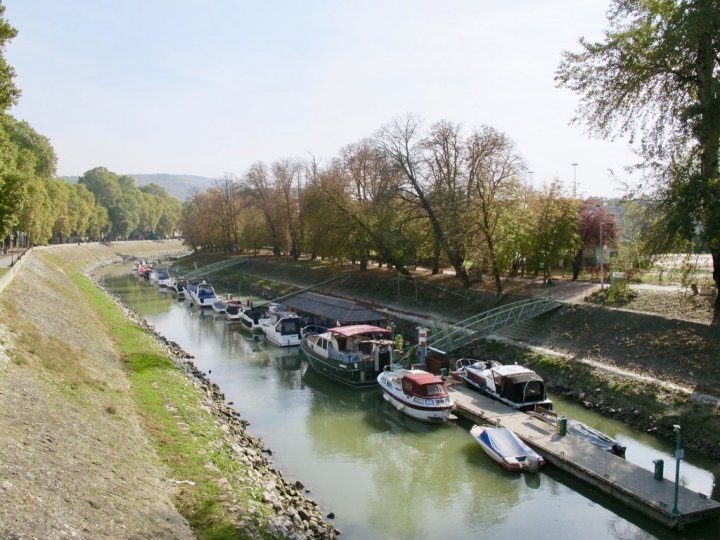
(434, 390)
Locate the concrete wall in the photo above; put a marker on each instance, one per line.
(6, 278)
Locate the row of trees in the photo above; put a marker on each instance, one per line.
(44, 207)
(406, 195)
(146, 210)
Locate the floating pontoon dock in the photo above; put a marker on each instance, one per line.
(624, 481)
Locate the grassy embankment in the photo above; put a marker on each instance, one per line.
(186, 437)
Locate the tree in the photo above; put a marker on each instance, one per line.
(657, 76)
(493, 179)
(402, 142)
(593, 217)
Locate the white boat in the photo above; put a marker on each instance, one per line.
(233, 309)
(282, 329)
(516, 386)
(203, 295)
(163, 278)
(418, 394)
(219, 306)
(252, 318)
(502, 445)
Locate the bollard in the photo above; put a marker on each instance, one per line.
(659, 469)
(561, 426)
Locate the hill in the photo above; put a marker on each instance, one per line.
(177, 185)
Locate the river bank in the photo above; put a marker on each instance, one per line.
(111, 431)
(679, 356)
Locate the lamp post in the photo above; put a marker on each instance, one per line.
(600, 252)
(679, 454)
(12, 236)
(531, 186)
(574, 166)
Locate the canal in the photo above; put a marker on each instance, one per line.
(386, 476)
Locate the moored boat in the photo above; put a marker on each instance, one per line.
(282, 329)
(353, 355)
(252, 318)
(219, 306)
(418, 394)
(203, 295)
(516, 386)
(163, 278)
(233, 310)
(502, 445)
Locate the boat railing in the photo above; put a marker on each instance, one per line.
(313, 329)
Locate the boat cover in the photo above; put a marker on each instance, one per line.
(359, 329)
(423, 384)
(505, 443)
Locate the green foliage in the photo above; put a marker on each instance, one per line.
(656, 75)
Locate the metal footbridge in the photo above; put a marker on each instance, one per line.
(208, 269)
(454, 336)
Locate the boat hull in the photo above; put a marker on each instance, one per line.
(436, 415)
(338, 371)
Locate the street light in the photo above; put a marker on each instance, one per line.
(531, 186)
(600, 255)
(574, 166)
(679, 454)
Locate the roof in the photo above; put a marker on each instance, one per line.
(358, 329)
(422, 378)
(338, 309)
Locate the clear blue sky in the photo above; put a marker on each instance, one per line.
(208, 87)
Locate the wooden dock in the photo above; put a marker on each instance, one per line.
(624, 481)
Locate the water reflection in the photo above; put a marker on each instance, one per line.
(386, 475)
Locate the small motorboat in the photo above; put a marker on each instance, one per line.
(595, 437)
(502, 445)
(233, 310)
(219, 307)
(252, 318)
(163, 278)
(418, 394)
(516, 386)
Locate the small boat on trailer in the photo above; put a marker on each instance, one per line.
(516, 386)
(502, 445)
(353, 355)
(416, 393)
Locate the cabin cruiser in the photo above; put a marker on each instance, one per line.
(516, 386)
(202, 295)
(353, 355)
(219, 306)
(282, 329)
(418, 394)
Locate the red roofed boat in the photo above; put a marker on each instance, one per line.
(418, 394)
(353, 355)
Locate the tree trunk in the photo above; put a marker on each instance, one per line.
(716, 277)
(577, 264)
(436, 260)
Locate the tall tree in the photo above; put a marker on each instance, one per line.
(403, 143)
(657, 76)
(494, 169)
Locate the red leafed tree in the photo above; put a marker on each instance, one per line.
(592, 214)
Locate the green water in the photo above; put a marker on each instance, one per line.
(387, 476)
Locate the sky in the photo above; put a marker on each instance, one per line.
(209, 87)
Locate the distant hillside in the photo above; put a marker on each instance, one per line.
(177, 185)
